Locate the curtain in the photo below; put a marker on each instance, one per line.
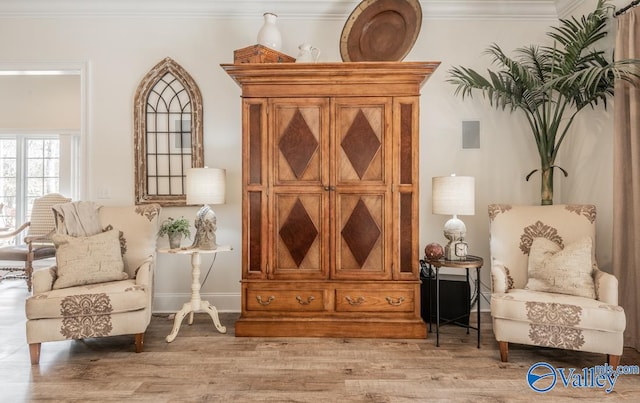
(626, 180)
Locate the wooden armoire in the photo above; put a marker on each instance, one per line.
(330, 198)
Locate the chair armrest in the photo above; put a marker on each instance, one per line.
(500, 280)
(606, 286)
(39, 238)
(144, 272)
(43, 279)
(11, 234)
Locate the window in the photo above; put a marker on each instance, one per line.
(168, 133)
(32, 166)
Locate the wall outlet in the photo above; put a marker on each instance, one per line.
(104, 192)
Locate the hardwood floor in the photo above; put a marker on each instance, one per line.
(202, 365)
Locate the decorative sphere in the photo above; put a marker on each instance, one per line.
(434, 251)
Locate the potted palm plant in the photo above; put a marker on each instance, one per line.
(551, 84)
(175, 229)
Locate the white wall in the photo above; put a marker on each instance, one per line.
(40, 102)
(120, 50)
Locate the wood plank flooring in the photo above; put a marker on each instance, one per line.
(202, 365)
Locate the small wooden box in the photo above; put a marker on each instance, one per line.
(260, 54)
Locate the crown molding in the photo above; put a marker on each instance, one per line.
(489, 9)
(566, 8)
(286, 9)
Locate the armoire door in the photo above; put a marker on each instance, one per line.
(299, 188)
(361, 155)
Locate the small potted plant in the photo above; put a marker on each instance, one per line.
(175, 229)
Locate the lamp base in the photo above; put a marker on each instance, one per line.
(454, 231)
(205, 224)
(456, 250)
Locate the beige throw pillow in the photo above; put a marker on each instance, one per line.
(88, 260)
(563, 271)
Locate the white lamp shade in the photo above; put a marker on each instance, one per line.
(453, 195)
(206, 186)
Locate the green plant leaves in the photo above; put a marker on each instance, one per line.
(551, 84)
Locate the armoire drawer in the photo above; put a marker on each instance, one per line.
(286, 300)
(364, 300)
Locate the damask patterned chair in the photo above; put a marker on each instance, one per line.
(547, 288)
(99, 308)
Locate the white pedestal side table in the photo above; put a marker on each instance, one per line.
(196, 304)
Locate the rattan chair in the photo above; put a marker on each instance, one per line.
(37, 244)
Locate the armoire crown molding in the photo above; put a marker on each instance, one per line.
(286, 9)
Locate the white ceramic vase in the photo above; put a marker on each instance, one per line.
(269, 34)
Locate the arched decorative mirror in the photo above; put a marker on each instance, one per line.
(168, 133)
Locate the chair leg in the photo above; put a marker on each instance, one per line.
(504, 351)
(613, 360)
(34, 352)
(28, 269)
(139, 342)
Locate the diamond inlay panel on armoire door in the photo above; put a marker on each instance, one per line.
(361, 233)
(360, 144)
(298, 232)
(298, 144)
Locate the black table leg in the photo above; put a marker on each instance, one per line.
(430, 279)
(469, 311)
(437, 308)
(478, 298)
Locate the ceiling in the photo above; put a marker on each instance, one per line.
(298, 9)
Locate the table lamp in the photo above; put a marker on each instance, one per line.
(205, 186)
(454, 195)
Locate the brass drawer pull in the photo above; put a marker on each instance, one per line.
(357, 301)
(267, 302)
(396, 302)
(307, 302)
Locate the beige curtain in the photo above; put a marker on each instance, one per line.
(626, 180)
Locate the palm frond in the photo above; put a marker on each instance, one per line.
(536, 62)
(576, 39)
(498, 88)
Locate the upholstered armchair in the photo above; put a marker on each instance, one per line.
(91, 307)
(547, 288)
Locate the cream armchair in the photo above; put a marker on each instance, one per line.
(563, 313)
(100, 309)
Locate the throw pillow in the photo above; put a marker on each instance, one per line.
(123, 245)
(123, 240)
(88, 260)
(563, 271)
